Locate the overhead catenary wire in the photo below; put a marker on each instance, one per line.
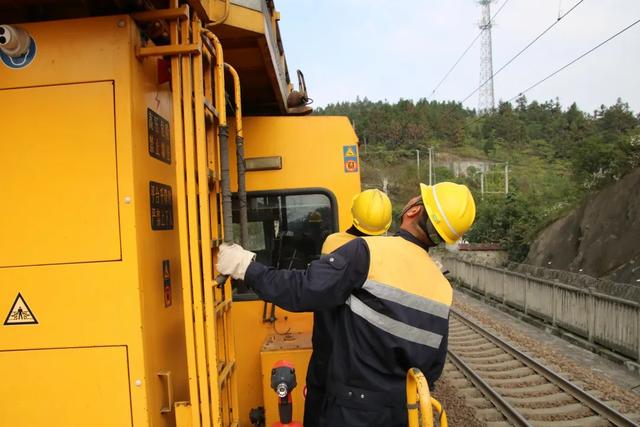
(547, 77)
(531, 43)
(560, 69)
(464, 53)
(539, 82)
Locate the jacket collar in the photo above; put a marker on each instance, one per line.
(410, 237)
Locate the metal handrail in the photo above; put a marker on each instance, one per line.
(420, 403)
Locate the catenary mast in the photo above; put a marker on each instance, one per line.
(485, 99)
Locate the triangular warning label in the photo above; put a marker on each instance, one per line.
(20, 313)
(350, 152)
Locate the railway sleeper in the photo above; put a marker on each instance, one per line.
(498, 364)
(516, 373)
(593, 421)
(546, 400)
(520, 382)
(538, 390)
(471, 341)
(489, 414)
(487, 352)
(568, 411)
(498, 424)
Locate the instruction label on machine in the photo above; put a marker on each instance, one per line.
(161, 201)
(350, 156)
(20, 313)
(159, 136)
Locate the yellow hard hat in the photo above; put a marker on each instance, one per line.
(314, 216)
(371, 212)
(450, 208)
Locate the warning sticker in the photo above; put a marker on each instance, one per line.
(350, 152)
(350, 156)
(20, 313)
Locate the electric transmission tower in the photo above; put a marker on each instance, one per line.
(485, 99)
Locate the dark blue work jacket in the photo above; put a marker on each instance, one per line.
(389, 305)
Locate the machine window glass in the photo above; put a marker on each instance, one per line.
(256, 236)
(287, 229)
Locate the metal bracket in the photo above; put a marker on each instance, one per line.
(168, 382)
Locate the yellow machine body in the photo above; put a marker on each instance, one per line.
(312, 158)
(92, 255)
(77, 241)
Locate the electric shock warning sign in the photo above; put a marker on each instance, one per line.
(159, 136)
(20, 313)
(161, 207)
(350, 156)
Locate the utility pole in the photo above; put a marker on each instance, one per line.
(430, 164)
(506, 178)
(482, 184)
(418, 164)
(486, 100)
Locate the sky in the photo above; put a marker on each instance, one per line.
(395, 49)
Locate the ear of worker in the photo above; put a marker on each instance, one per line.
(233, 260)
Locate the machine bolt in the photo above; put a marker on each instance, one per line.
(127, 199)
(138, 382)
(282, 390)
(121, 23)
(362, 396)
(332, 259)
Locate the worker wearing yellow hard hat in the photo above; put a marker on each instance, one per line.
(449, 211)
(371, 213)
(388, 300)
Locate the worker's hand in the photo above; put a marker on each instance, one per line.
(233, 260)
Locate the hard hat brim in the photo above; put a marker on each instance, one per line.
(431, 206)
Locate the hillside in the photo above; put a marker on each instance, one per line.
(556, 157)
(598, 238)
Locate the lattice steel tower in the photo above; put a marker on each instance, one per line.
(485, 99)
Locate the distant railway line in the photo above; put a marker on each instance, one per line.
(521, 389)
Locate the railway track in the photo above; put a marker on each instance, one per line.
(523, 391)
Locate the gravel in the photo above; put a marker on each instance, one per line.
(458, 412)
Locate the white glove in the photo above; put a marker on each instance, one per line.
(233, 260)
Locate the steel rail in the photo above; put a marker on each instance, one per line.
(593, 403)
(509, 412)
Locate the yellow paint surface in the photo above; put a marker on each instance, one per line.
(74, 387)
(79, 240)
(312, 156)
(58, 175)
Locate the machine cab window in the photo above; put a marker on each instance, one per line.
(287, 228)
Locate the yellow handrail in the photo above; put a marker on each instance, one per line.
(420, 404)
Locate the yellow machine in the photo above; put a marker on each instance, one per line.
(121, 176)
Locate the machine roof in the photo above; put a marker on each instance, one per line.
(249, 35)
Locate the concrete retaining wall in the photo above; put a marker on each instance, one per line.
(602, 319)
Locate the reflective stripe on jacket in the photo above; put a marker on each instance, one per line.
(408, 285)
(398, 319)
